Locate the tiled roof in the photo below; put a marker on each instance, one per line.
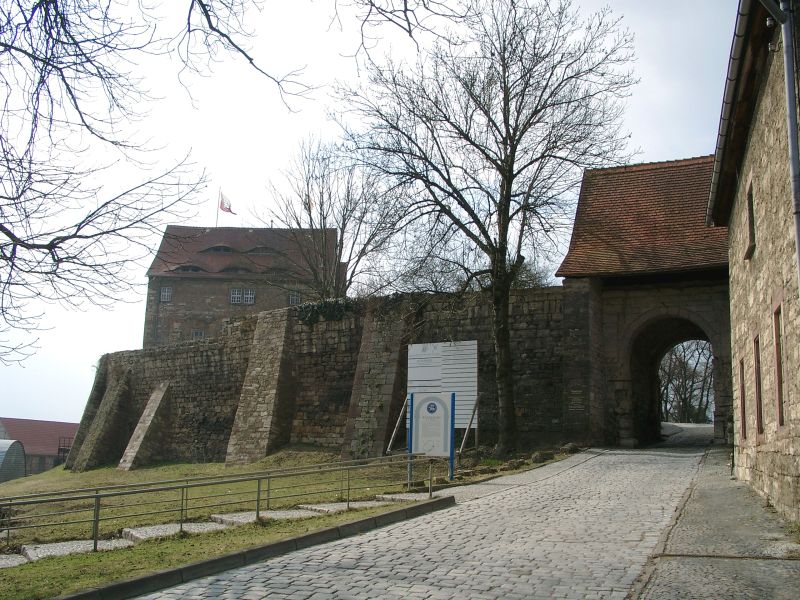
(247, 250)
(38, 437)
(645, 219)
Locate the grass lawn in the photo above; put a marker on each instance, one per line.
(51, 577)
(70, 519)
(55, 576)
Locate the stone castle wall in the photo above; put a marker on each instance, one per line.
(761, 285)
(205, 380)
(288, 376)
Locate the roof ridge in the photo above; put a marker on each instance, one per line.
(659, 164)
(39, 420)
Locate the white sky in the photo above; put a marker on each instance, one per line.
(238, 129)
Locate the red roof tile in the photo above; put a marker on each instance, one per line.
(253, 250)
(645, 219)
(38, 437)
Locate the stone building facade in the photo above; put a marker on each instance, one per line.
(656, 276)
(202, 276)
(752, 195)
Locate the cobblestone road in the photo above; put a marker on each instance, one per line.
(580, 528)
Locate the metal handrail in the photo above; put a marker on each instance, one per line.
(68, 494)
(349, 477)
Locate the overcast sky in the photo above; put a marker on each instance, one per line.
(238, 129)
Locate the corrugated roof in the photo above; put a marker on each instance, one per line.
(645, 219)
(38, 437)
(245, 250)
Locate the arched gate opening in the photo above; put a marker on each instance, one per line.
(647, 351)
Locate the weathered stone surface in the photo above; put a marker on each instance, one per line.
(108, 432)
(340, 381)
(760, 286)
(147, 440)
(378, 382)
(263, 416)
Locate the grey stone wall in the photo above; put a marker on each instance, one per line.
(205, 380)
(760, 285)
(324, 358)
(279, 377)
(639, 322)
(266, 401)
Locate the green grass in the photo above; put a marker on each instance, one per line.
(51, 520)
(51, 577)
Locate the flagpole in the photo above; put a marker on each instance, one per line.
(219, 197)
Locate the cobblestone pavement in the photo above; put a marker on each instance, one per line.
(725, 544)
(580, 528)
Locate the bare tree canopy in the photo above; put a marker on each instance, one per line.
(686, 377)
(488, 135)
(71, 88)
(327, 192)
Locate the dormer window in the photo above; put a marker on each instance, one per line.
(221, 249)
(188, 269)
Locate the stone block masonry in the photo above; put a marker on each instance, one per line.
(332, 375)
(147, 439)
(266, 403)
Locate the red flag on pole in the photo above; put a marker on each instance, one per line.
(225, 204)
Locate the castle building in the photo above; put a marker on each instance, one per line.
(202, 277)
(752, 194)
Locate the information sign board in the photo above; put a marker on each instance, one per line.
(431, 430)
(443, 368)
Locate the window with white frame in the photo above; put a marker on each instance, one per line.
(198, 334)
(294, 298)
(166, 294)
(249, 296)
(236, 296)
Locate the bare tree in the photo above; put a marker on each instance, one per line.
(686, 383)
(69, 89)
(337, 216)
(488, 134)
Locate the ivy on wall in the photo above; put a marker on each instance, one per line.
(334, 309)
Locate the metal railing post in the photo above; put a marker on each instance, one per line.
(8, 523)
(180, 512)
(258, 500)
(348, 489)
(96, 520)
(430, 479)
(269, 479)
(341, 483)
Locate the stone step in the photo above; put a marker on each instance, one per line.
(335, 507)
(149, 532)
(242, 518)
(11, 560)
(37, 551)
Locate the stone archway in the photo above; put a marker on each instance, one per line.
(639, 323)
(647, 349)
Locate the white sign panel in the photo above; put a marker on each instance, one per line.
(444, 368)
(431, 431)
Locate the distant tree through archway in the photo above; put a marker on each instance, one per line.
(686, 383)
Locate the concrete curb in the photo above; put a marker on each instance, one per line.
(164, 579)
